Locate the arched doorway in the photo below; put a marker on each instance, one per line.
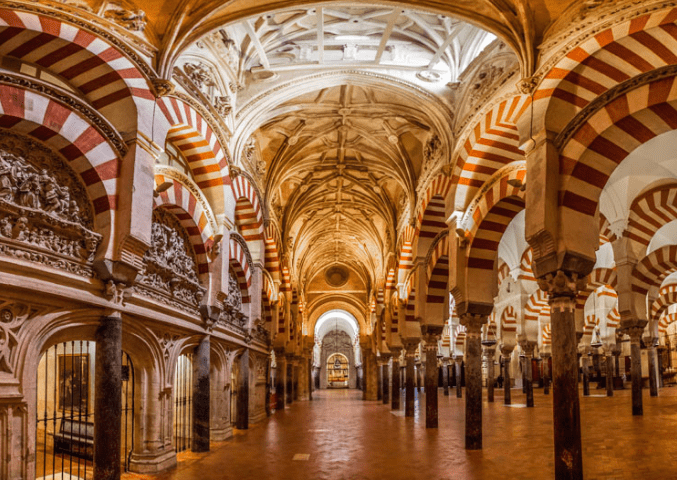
(337, 371)
(65, 411)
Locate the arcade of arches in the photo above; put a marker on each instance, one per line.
(210, 210)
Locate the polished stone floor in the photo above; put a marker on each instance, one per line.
(338, 436)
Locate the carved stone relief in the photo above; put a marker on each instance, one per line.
(44, 212)
(199, 74)
(170, 268)
(231, 315)
(134, 21)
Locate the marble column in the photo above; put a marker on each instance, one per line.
(528, 349)
(431, 335)
(585, 361)
(506, 355)
(489, 352)
(201, 367)
(445, 376)
(371, 371)
(459, 376)
(617, 363)
(289, 390)
(385, 387)
(310, 377)
(635, 334)
(295, 382)
(242, 414)
(409, 397)
(652, 357)
(473, 380)
(546, 373)
(563, 288)
(280, 380)
(379, 382)
(609, 375)
(395, 375)
(107, 398)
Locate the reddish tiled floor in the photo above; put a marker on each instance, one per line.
(347, 438)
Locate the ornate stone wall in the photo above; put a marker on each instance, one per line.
(337, 342)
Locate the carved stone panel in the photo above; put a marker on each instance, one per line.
(170, 266)
(231, 315)
(45, 214)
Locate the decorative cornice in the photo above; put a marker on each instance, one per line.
(65, 98)
(607, 97)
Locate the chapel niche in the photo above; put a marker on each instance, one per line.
(170, 272)
(45, 214)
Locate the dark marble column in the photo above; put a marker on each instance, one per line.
(546, 373)
(317, 378)
(459, 377)
(506, 354)
(242, 414)
(473, 380)
(597, 364)
(395, 376)
(295, 383)
(659, 355)
(635, 334)
(609, 375)
(201, 402)
(490, 373)
(385, 379)
(310, 377)
(431, 335)
(289, 390)
(269, 387)
(445, 376)
(409, 397)
(653, 377)
(107, 398)
(586, 374)
(528, 349)
(617, 364)
(379, 382)
(280, 380)
(566, 408)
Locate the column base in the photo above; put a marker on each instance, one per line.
(152, 462)
(220, 434)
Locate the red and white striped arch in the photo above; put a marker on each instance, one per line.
(433, 222)
(490, 145)
(503, 271)
(589, 158)
(188, 209)
(598, 278)
(496, 209)
(526, 262)
(459, 337)
(665, 322)
(109, 81)
(240, 267)
(546, 335)
(88, 153)
(248, 215)
(439, 187)
(285, 286)
(199, 145)
(410, 315)
(406, 257)
(649, 212)
(666, 296)
(653, 268)
(605, 233)
(536, 306)
(610, 57)
(508, 320)
(613, 318)
(591, 321)
(271, 242)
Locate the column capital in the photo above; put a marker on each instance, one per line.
(506, 350)
(473, 323)
(489, 352)
(458, 358)
(635, 332)
(527, 347)
(562, 284)
(410, 347)
(431, 334)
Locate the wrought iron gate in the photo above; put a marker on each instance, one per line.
(183, 402)
(65, 411)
